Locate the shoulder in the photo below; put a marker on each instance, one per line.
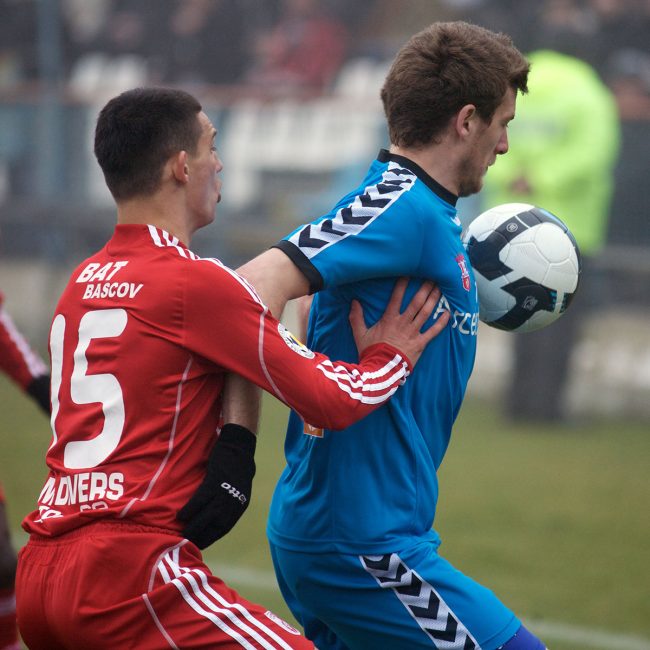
(167, 262)
(382, 195)
(178, 259)
(208, 277)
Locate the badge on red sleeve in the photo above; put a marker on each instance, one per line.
(294, 343)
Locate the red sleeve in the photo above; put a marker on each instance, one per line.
(227, 323)
(17, 359)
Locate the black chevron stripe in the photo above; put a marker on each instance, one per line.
(412, 589)
(425, 615)
(368, 202)
(469, 644)
(328, 226)
(448, 634)
(307, 241)
(347, 216)
(430, 611)
(385, 188)
(397, 577)
(382, 564)
(350, 214)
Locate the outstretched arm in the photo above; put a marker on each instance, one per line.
(276, 279)
(21, 363)
(235, 331)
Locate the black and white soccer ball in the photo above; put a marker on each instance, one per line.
(526, 263)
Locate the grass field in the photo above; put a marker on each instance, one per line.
(555, 520)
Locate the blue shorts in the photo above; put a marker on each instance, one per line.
(402, 601)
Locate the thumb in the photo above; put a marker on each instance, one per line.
(356, 320)
(358, 324)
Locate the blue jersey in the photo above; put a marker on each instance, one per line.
(373, 487)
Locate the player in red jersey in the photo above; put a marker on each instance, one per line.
(26, 368)
(141, 342)
(21, 363)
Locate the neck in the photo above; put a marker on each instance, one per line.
(156, 210)
(437, 160)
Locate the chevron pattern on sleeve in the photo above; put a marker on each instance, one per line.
(353, 218)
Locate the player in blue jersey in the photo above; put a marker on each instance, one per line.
(351, 519)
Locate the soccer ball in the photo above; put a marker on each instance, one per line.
(526, 263)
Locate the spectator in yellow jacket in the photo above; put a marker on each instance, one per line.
(563, 150)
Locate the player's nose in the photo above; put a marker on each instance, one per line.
(503, 145)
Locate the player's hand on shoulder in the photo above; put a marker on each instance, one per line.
(402, 329)
(225, 492)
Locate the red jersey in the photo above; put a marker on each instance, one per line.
(17, 359)
(141, 340)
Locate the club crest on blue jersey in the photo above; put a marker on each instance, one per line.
(294, 343)
(462, 263)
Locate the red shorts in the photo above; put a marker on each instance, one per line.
(116, 585)
(2, 494)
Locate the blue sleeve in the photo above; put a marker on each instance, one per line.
(359, 241)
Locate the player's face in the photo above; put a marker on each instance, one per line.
(489, 141)
(204, 191)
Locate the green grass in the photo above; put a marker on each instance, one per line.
(554, 520)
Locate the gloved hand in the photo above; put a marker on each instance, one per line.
(39, 389)
(225, 492)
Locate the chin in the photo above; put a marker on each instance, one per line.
(207, 219)
(468, 189)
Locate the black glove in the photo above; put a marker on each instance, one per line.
(225, 492)
(39, 389)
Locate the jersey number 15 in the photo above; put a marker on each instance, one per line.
(88, 389)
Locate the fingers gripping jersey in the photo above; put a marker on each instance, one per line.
(140, 342)
(17, 359)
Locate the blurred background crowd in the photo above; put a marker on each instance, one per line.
(293, 87)
(302, 44)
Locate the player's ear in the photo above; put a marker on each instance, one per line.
(179, 167)
(465, 119)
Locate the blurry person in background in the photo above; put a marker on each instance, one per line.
(627, 73)
(203, 42)
(564, 146)
(302, 50)
(26, 369)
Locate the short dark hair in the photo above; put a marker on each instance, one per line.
(443, 68)
(136, 134)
